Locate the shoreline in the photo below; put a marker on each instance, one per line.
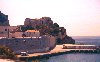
(6, 60)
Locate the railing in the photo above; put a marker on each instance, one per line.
(81, 47)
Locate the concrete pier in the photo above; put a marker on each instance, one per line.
(58, 50)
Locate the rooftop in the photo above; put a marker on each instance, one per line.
(32, 31)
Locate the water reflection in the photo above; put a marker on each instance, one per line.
(71, 58)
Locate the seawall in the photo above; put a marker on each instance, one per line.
(58, 50)
(29, 44)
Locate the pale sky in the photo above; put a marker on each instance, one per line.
(79, 17)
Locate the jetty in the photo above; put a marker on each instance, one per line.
(63, 49)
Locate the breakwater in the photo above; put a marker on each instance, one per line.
(59, 53)
(58, 50)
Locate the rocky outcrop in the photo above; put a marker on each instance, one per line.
(68, 39)
(4, 19)
(46, 27)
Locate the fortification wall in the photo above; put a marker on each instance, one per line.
(30, 45)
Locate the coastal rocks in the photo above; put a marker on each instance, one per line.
(65, 40)
(68, 40)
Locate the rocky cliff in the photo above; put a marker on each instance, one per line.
(46, 27)
(4, 19)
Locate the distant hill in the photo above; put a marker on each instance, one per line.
(86, 37)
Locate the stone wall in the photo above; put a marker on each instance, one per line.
(30, 45)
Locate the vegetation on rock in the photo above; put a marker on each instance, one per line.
(6, 53)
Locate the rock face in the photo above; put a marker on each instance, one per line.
(68, 39)
(46, 27)
(4, 19)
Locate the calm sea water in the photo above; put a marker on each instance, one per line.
(71, 58)
(76, 57)
(93, 40)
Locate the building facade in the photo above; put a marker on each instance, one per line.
(28, 33)
(5, 31)
(10, 32)
(31, 33)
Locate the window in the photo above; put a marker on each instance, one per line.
(23, 35)
(5, 29)
(34, 32)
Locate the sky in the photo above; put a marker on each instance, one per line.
(79, 17)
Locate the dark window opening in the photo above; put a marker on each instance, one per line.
(5, 29)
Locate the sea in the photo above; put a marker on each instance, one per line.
(76, 57)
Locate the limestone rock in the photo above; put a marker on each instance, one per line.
(4, 19)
